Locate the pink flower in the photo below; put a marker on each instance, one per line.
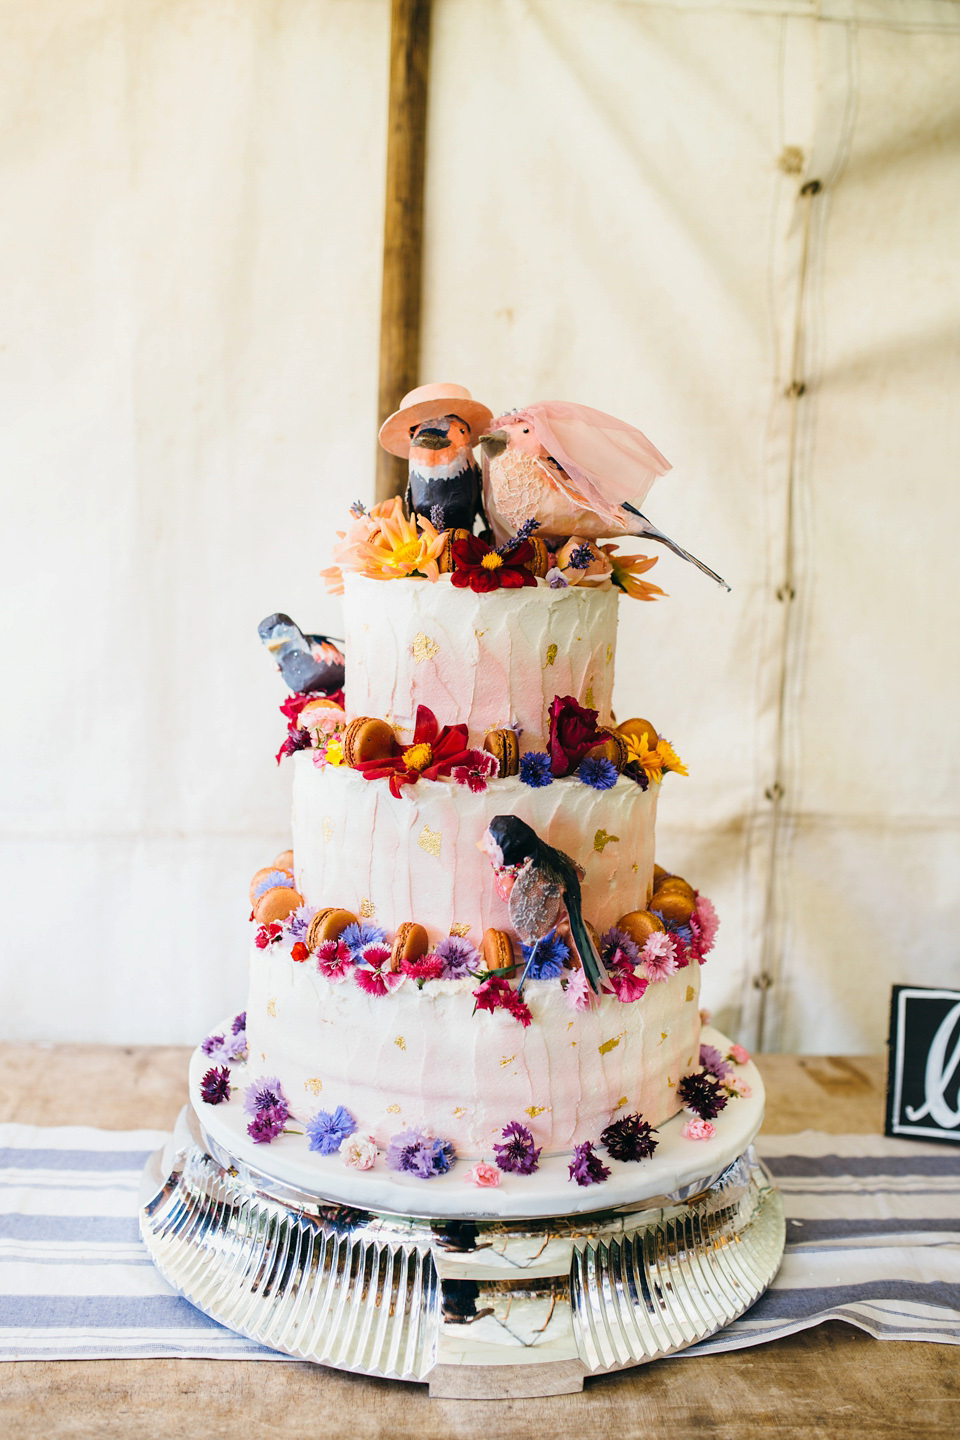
(424, 967)
(483, 1174)
(627, 985)
(658, 958)
(577, 995)
(698, 1130)
(737, 1052)
(479, 767)
(706, 1017)
(359, 1152)
(333, 961)
(706, 923)
(737, 1084)
(374, 974)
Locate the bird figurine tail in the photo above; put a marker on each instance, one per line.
(655, 534)
(593, 967)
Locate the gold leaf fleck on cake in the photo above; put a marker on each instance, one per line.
(609, 1045)
(460, 929)
(459, 1112)
(327, 828)
(430, 841)
(669, 1082)
(507, 1059)
(272, 1008)
(569, 1024)
(479, 633)
(367, 625)
(620, 1103)
(636, 867)
(423, 648)
(588, 698)
(393, 1109)
(534, 1110)
(663, 1036)
(367, 908)
(609, 653)
(400, 1043)
(689, 992)
(602, 838)
(314, 1084)
(551, 654)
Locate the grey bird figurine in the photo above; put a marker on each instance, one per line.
(309, 664)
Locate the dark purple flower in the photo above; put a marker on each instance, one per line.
(702, 1094)
(519, 1155)
(267, 1124)
(535, 769)
(212, 1045)
(586, 1167)
(599, 774)
(215, 1086)
(630, 1138)
(239, 1022)
(327, 1130)
(618, 950)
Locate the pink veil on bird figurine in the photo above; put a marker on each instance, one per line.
(574, 471)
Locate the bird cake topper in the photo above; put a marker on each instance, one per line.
(573, 470)
(435, 429)
(539, 883)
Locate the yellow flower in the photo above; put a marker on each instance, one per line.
(640, 754)
(491, 561)
(334, 753)
(626, 572)
(397, 547)
(418, 757)
(669, 759)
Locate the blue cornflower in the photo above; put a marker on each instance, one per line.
(552, 952)
(359, 935)
(444, 1157)
(535, 769)
(326, 1131)
(599, 773)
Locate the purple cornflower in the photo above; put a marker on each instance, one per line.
(459, 957)
(267, 1124)
(535, 769)
(586, 1167)
(713, 1062)
(616, 948)
(599, 773)
(519, 1155)
(239, 1022)
(297, 923)
(630, 1138)
(416, 1152)
(235, 1049)
(701, 1094)
(212, 1045)
(326, 1131)
(215, 1086)
(265, 1094)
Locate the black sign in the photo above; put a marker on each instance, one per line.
(923, 1076)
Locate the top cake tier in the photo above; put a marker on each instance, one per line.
(489, 666)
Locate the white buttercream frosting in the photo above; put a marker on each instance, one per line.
(423, 1058)
(358, 847)
(491, 661)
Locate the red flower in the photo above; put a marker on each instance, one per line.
(482, 568)
(299, 952)
(573, 731)
(477, 769)
(267, 934)
(495, 994)
(433, 752)
(298, 739)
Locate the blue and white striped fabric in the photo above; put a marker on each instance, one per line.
(873, 1237)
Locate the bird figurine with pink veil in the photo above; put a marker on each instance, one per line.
(573, 471)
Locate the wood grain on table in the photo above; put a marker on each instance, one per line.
(832, 1381)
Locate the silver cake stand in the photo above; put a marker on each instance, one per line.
(477, 1308)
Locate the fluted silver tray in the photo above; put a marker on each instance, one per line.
(476, 1308)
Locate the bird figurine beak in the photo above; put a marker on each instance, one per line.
(493, 443)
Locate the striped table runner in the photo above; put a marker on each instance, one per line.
(873, 1237)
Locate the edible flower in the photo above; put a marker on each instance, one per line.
(434, 752)
(586, 1167)
(483, 1175)
(739, 1055)
(482, 568)
(658, 958)
(535, 769)
(652, 761)
(577, 994)
(373, 973)
(477, 769)
(630, 1138)
(546, 959)
(423, 968)
(698, 1130)
(495, 994)
(459, 957)
(703, 927)
(384, 545)
(713, 1062)
(627, 570)
(359, 1152)
(268, 935)
(327, 1130)
(573, 731)
(266, 1102)
(334, 960)
(598, 773)
(519, 1156)
(360, 934)
(417, 1152)
(215, 1086)
(701, 1094)
(736, 1085)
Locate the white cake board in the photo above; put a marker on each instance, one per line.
(520, 1291)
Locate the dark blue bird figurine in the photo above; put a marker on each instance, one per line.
(308, 663)
(538, 883)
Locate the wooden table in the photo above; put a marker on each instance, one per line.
(832, 1381)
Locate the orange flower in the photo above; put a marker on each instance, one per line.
(626, 572)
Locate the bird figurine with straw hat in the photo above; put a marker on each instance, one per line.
(573, 471)
(435, 430)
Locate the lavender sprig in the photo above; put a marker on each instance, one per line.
(524, 533)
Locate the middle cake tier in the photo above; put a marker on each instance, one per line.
(359, 848)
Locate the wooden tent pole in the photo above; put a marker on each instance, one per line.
(403, 222)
